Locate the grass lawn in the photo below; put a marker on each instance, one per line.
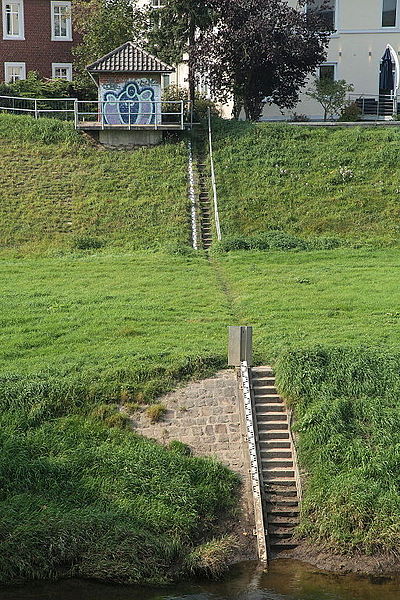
(342, 183)
(101, 306)
(336, 297)
(112, 320)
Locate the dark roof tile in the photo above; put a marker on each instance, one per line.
(129, 58)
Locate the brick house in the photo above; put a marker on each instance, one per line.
(36, 35)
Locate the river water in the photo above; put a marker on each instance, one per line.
(285, 580)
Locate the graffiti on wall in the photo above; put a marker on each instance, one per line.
(131, 103)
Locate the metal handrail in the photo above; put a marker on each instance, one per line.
(95, 109)
(213, 179)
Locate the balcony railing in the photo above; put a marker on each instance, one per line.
(374, 106)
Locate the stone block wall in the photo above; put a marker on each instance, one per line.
(207, 416)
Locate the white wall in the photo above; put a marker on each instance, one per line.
(356, 48)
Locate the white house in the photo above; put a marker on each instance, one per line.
(363, 31)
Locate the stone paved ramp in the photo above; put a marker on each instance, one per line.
(205, 415)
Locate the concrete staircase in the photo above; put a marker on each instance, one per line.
(281, 501)
(204, 206)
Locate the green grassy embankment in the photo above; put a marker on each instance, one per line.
(86, 329)
(310, 182)
(60, 192)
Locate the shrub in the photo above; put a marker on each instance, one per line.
(155, 412)
(86, 242)
(351, 112)
(202, 103)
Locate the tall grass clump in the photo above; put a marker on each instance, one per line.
(82, 499)
(347, 410)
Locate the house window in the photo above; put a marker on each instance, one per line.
(14, 71)
(326, 9)
(61, 21)
(13, 20)
(389, 10)
(327, 72)
(165, 80)
(62, 71)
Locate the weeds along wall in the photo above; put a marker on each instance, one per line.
(347, 408)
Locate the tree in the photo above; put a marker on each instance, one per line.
(173, 31)
(332, 95)
(104, 25)
(259, 49)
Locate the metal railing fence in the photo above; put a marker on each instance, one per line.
(376, 105)
(61, 108)
(103, 114)
(106, 114)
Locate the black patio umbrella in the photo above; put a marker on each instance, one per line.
(386, 79)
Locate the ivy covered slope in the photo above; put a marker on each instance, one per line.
(347, 409)
(58, 191)
(339, 183)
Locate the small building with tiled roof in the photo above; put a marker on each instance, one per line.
(130, 110)
(129, 58)
(129, 83)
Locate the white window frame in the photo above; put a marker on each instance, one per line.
(7, 65)
(390, 27)
(329, 64)
(60, 38)
(67, 66)
(336, 14)
(21, 35)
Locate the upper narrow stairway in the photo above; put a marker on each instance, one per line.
(204, 206)
(277, 454)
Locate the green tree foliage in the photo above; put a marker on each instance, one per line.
(330, 94)
(104, 25)
(173, 31)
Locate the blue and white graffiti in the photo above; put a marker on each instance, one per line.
(130, 105)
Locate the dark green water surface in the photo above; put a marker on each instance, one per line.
(286, 580)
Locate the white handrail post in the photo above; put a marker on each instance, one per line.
(76, 117)
(36, 110)
(213, 181)
(182, 110)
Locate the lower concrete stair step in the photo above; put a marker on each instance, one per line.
(284, 521)
(270, 453)
(282, 503)
(279, 545)
(274, 473)
(270, 436)
(280, 531)
(273, 426)
(267, 444)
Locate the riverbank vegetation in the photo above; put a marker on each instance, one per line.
(115, 310)
(347, 409)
